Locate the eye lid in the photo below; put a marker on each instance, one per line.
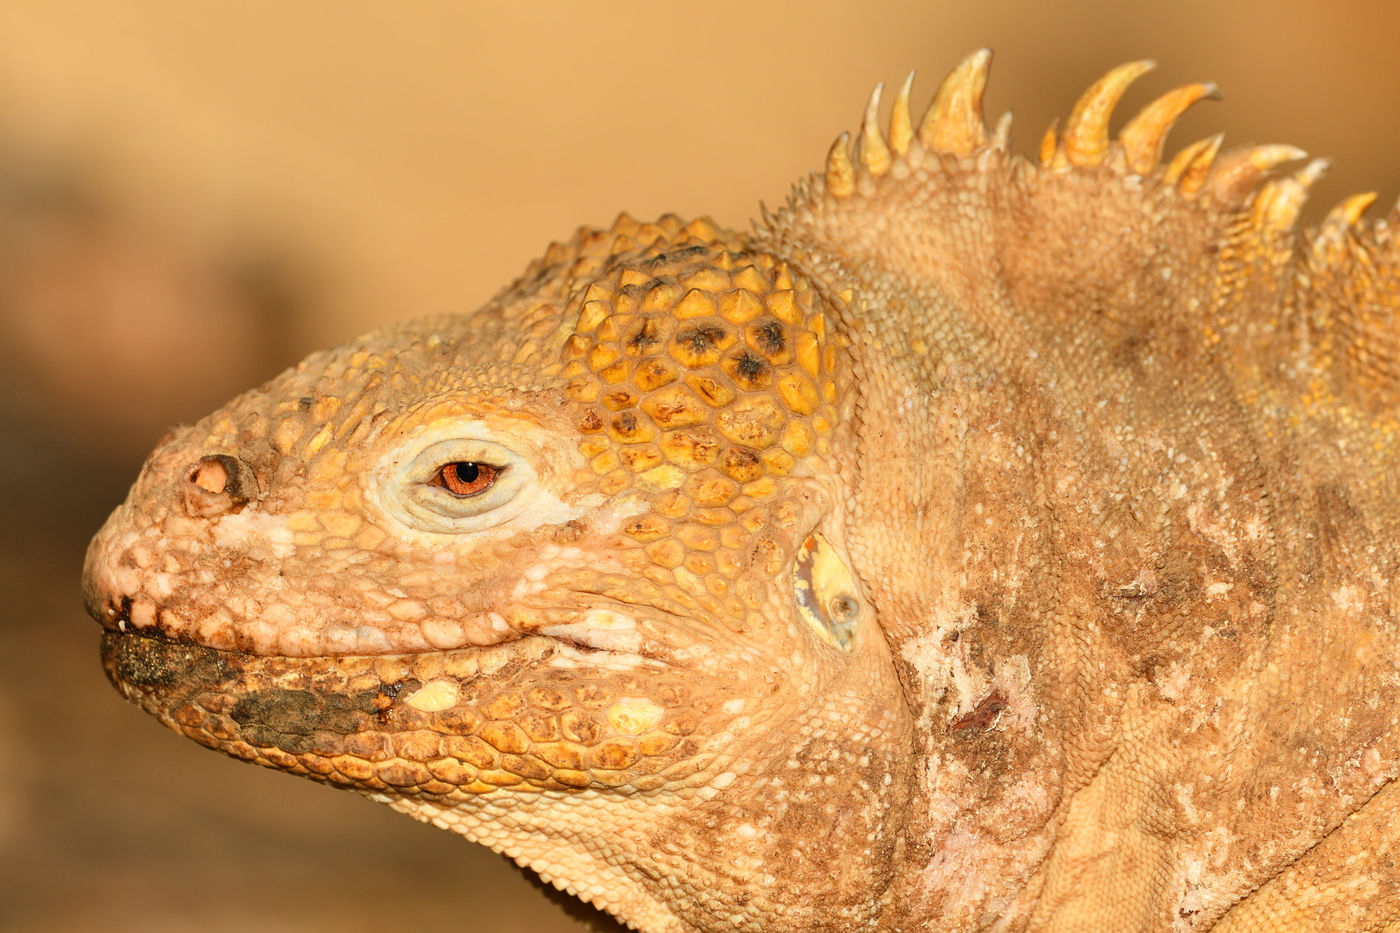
(415, 486)
(534, 463)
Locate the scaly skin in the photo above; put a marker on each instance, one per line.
(975, 545)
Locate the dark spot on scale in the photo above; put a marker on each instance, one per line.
(685, 252)
(159, 666)
(700, 339)
(644, 337)
(1128, 354)
(770, 337)
(749, 367)
(305, 402)
(384, 700)
(569, 532)
(619, 399)
(982, 716)
(291, 719)
(1146, 666)
(302, 712)
(740, 457)
(626, 422)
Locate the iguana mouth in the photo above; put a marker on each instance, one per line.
(146, 665)
(340, 719)
(598, 630)
(438, 724)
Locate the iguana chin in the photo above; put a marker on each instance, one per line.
(976, 544)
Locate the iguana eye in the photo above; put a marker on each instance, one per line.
(465, 478)
(454, 485)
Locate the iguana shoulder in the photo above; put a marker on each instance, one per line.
(1156, 456)
(962, 548)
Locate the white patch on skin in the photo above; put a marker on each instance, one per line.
(944, 667)
(1035, 801)
(1012, 676)
(444, 634)
(525, 588)
(125, 580)
(434, 696)
(633, 715)
(407, 610)
(600, 628)
(143, 613)
(1173, 685)
(1349, 599)
(693, 655)
(237, 530)
(610, 519)
(734, 707)
(547, 509)
(337, 638)
(946, 871)
(159, 586)
(371, 639)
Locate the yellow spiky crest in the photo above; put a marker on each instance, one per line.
(953, 125)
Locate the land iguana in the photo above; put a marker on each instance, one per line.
(978, 543)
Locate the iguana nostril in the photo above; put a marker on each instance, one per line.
(214, 485)
(211, 475)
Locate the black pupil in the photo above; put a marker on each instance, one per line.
(466, 472)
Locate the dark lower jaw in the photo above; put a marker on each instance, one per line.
(525, 715)
(144, 663)
(349, 721)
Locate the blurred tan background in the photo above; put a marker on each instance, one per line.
(193, 195)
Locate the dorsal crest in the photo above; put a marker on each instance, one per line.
(953, 125)
(1096, 223)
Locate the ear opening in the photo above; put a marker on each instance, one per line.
(825, 592)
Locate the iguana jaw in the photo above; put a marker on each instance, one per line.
(444, 725)
(595, 777)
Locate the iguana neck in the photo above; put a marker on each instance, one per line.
(1087, 557)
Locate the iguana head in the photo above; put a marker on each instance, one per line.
(566, 575)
